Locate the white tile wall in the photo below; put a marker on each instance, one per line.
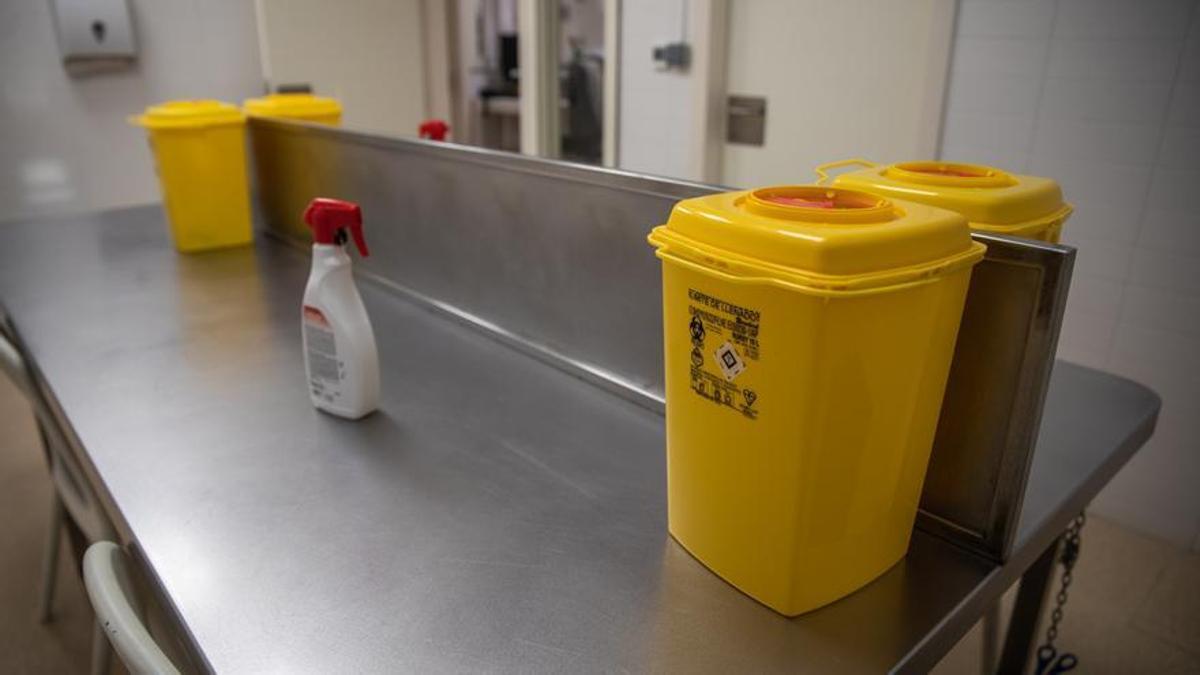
(1066, 98)
(65, 144)
(1104, 95)
(1028, 20)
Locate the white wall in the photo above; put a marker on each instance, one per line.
(657, 118)
(842, 79)
(1105, 97)
(65, 145)
(367, 54)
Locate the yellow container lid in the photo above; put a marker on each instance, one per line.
(300, 105)
(188, 115)
(987, 196)
(818, 237)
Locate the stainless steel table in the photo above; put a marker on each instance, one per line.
(495, 515)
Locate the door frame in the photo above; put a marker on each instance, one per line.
(538, 41)
(708, 26)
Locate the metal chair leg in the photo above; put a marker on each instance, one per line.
(991, 639)
(50, 559)
(101, 651)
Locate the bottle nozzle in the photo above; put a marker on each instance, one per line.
(330, 218)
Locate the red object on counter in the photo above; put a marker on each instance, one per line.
(434, 130)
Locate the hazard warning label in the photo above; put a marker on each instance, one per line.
(724, 345)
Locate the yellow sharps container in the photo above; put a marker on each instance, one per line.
(992, 200)
(808, 335)
(200, 152)
(304, 107)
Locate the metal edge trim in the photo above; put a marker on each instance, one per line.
(554, 168)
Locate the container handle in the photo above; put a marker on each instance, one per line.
(822, 170)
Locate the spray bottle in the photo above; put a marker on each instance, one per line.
(339, 346)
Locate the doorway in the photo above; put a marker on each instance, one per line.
(535, 76)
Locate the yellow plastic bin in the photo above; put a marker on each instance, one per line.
(991, 199)
(808, 334)
(200, 151)
(304, 107)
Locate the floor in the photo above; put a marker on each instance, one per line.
(1134, 605)
(64, 644)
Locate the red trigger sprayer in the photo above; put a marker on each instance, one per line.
(339, 345)
(330, 218)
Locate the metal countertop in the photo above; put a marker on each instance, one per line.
(495, 515)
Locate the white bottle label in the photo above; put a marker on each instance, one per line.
(324, 371)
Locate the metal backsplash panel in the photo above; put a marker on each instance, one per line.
(552, 258)
(993, 404)
(552, 254)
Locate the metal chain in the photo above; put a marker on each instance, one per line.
(1070, 554)
(1049, 662)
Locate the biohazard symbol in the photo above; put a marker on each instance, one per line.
(749, 397)
(696, 328)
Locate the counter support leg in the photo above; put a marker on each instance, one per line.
(50, 559)
(1027, 613)
(991, 639)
